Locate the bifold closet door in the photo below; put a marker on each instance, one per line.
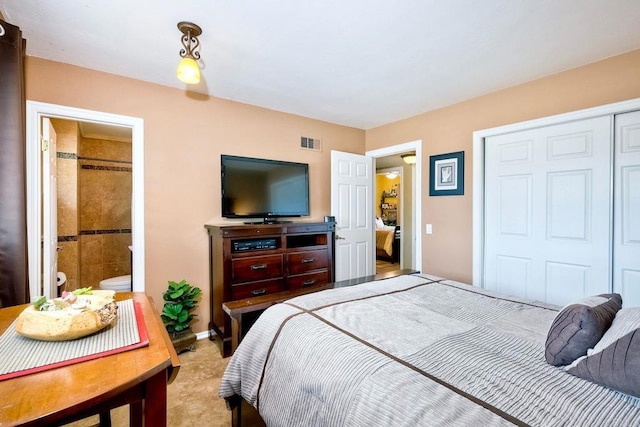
(626, 249)
(547, 211)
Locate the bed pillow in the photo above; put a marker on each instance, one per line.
(615, 360)
(579, 326)
(379, 222)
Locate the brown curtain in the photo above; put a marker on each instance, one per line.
(14, 286)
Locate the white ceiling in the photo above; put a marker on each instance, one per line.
(360, 63)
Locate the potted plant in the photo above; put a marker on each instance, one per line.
(180, 299)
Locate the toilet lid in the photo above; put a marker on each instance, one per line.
(115, 281)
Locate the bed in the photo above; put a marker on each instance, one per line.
(387, 241)
(414, 350)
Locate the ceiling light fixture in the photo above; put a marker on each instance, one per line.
(392, 175)
(409, 159)
(188, 69)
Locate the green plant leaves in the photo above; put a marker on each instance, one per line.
(180, 298)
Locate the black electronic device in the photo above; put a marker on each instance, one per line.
(262, 188)
(254, 244)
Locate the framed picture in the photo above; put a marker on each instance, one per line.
(446, 174)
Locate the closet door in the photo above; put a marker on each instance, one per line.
(626, 261)
(547, 211)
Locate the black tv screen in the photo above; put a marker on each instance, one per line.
(261, 188)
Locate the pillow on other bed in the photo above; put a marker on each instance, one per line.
(578, 327)
(379, 222)
(615, 360)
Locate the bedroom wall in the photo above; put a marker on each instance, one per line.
(448, 251)
(184, 137)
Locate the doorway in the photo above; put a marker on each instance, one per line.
(42, 283)
(407, 201)
(93, 203)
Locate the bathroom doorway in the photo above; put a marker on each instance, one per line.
(93, 202)
(42, 282)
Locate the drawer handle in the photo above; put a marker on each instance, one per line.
(307, 260)
(308, 282)
(258, 266)
(259, 292)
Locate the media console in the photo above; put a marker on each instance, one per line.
(261, 259)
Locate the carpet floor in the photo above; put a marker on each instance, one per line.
(192, 399)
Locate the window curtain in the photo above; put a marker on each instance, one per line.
(14, 286)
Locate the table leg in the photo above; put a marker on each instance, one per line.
(135, 414)
(155, 400)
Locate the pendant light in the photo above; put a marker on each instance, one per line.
(188, 69)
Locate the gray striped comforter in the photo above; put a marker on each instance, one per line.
(413, 351)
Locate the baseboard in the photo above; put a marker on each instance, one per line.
(202, 335)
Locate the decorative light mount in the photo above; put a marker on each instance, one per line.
(188, 69)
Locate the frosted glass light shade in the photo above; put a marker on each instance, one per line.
(188, 71)
(409, 159)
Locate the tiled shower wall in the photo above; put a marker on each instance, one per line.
(104, 198)
(103, 206)
(67, 169)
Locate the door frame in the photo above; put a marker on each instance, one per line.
(34, 112)
(479, 167)
(416, 222)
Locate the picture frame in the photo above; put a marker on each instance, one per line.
(446, 174)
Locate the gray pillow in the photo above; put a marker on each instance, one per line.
(579, 326)
(615, 360)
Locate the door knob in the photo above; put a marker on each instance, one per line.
(340, 237)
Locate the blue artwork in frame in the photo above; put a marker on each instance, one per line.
(446, 174)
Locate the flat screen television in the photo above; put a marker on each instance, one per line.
(262, 188)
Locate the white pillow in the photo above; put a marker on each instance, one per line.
(626, 320)
(379, 222)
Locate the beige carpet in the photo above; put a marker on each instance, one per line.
(192, 399)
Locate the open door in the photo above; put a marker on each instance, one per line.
(352, 206)
(50, 204)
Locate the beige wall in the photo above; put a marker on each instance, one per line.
(448, 251)
(184, 137)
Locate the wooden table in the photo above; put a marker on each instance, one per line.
(136, 377)
(238, 309)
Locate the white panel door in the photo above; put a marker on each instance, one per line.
(50, 210)
(547, 211)
(352, 206)
(626, 251)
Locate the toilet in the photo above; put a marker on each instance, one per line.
(118, 284)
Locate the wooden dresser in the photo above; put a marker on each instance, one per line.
(259, 259)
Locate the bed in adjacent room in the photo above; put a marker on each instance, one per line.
(420, 350)
(387, 241)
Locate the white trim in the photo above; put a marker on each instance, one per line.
(417, 195)
(478, 164)
(35, 111)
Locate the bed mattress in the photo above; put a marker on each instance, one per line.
(413, 350)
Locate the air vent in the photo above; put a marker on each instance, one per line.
(307, 143)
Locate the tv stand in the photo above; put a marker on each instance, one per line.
(267, 222)
(262, 259)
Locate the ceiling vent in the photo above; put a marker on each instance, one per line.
(307, 143)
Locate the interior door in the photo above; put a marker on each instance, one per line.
(548, 211)
(352, 206)
(626, 258)
(50, 210)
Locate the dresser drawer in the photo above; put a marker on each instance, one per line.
(301, 262)
(256, 268)
(307, 280)
(256, 289)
